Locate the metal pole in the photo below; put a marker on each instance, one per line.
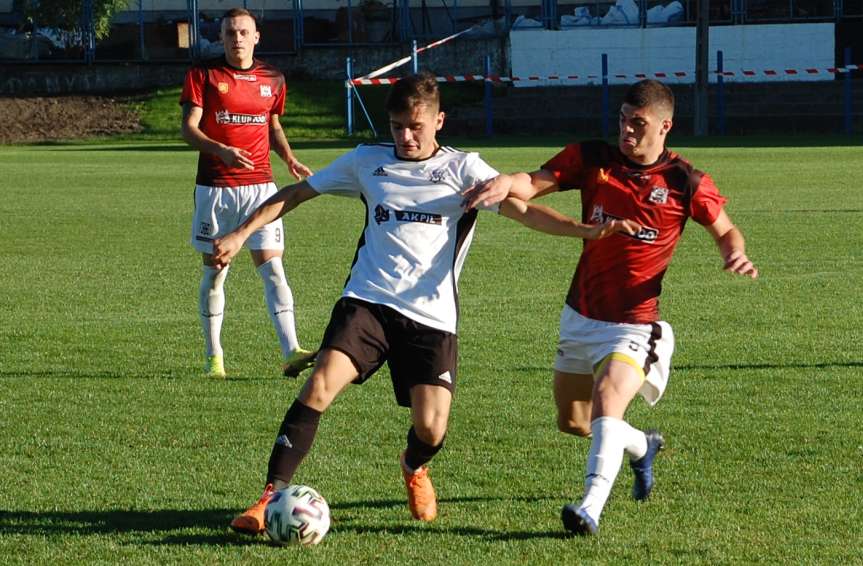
(848, 108)
(350, 24)
(349, 100)
(489, 112)
(298, 25)
(415, 64)
(88, 37)
(720, 92)
(604, 95)
(141, 48)
(702, 79)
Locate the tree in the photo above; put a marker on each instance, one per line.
(67, 15)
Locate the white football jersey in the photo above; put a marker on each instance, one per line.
(417, 232)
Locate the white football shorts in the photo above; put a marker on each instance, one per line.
(220, 210)
(585, 343)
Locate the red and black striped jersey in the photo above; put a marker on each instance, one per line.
(619, 278)
(237, 105)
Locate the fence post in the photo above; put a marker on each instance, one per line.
(298, 25)
(349, 98)
(489, 112)
(415, 64)
(848, 122)
(720, 92)
(604, 95)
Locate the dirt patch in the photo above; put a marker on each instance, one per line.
(28, 120)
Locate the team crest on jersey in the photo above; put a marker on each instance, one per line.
(379, 172)
(437, 176)
(266, 91)
(381, 214)
(658, 195)
(602, 176)
(223, 88)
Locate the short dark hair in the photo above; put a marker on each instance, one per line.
(650, 92)
(238, 13)
(412, 91)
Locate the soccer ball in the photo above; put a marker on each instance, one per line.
(297, 514)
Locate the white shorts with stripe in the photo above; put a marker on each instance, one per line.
(585, 343)
(219, 210)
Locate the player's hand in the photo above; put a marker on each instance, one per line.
(236, 157)
(599, 231)
(298, 170)
(224, 249)
(488, 192)
(738, 263)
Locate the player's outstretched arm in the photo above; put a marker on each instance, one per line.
(279, 144)
(732, 246)
(195, 137)
(550, 221)
(523, 186)
(287, 199)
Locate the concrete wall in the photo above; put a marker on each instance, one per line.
(650, 50)
(463, 57)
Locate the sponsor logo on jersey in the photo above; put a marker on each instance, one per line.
(379, 172)
(438, 175)
(658, 195)
(422, 217)
(223, 88)
(250, 78)
(266, 91)
(206, 229)
(645, 234)
(226, 117)
(381, 214)
(446, 376)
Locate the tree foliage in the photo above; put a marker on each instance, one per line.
(67, 15)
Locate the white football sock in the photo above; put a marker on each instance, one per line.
(603, 464)
(211, 303)
(280, 303)
(634, 440)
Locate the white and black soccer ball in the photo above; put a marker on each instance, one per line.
(297, 514)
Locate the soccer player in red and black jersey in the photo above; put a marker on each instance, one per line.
(231, 107)
(612, 343)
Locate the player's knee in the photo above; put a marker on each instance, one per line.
(432, 431)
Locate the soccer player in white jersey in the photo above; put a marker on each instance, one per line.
(399, 304)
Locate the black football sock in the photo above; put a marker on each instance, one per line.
(418, 452)
(294, 441)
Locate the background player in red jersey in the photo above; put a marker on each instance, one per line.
(612, 343)
(231, 107)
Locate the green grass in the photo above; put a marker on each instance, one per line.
(114, 448)
(314, 110)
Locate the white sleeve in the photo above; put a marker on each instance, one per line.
(339, 177)
(476, 171)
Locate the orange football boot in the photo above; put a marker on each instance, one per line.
(251, 522)
(422, 500)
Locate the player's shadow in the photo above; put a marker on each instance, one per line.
(171, 526)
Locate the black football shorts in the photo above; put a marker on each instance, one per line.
(371, 334)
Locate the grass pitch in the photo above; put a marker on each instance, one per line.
(114, 448)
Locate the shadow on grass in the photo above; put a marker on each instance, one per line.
(767, 366)
(168, 522)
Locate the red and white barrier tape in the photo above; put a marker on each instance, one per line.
(368, 80)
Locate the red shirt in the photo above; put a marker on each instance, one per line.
(619, 278)
(237, 104)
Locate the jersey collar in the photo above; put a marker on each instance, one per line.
(396, 154)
